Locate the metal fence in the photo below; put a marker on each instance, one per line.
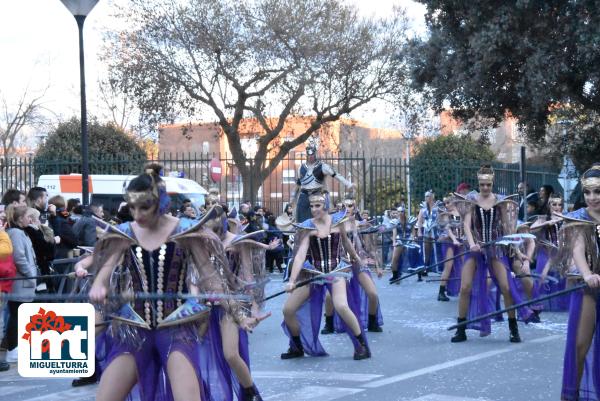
(380, 183)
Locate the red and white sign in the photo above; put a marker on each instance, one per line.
(215, 170)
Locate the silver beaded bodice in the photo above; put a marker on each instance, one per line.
(160, 271)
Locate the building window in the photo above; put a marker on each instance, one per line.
(289, 177)
(205, 147)
(276, 195)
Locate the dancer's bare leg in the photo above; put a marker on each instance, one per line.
(291, 306)
(117, 379)
(182, 375)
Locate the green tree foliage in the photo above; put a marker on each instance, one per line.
(488, 58)
(61, 152)
(441, 163)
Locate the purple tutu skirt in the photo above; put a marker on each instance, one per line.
(221, 381)
(309, 317)
(354, 289)
(557, 304)
(589, 389)
(480, 300)
(453, 286)
(151, 350)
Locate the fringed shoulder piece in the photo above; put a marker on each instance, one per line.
(464, 204)
(365, 244)
(209, 215)
(338, 219)
(210, 267)
(578, 226)
(122, 230)
(305, 225)
(248, 238)
(112, 244)
(509, 210)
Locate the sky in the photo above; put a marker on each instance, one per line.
(39, 41)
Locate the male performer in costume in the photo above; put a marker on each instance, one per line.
(311, 179)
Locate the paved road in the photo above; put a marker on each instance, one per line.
(413, 359)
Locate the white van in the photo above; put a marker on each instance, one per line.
(108, 190)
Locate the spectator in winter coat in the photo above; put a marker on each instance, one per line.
(85, 228)
(42, 239)
(59, 222)
(7, 270)
(274, 255)
(24, 258)
(37, 197)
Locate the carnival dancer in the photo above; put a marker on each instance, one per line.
(546, 228)
(451, 237)
(159, 351)
(580, 246)
(486, 219)
(522, 258)
(324, 241)
(311, 179)
(228, 362)
(404, 248)
(428, 231)
(364, 243)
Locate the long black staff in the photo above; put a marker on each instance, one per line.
(517, 306)
(506, 240)
(532, 275)
(126, 297)
(306, 282)
(538, 276)
(69, 275)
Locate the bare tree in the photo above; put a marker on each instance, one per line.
(14, 116)
(121, 110)
(266, 59)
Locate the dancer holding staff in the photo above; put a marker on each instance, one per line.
(580, 253)
(323, 241)
(452, 234)
(159, 351)
(487, 217)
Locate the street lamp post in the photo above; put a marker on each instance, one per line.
(80, 10)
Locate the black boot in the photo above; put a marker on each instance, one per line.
(420, 276)
(328, 328)
(251, 394)
(442, 294)
(362, 350)
(295, 351)
(395, 275)
(4, 366)
(461, 334)
(373, 325)
(514, 330)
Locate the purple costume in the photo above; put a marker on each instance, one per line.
(323, 256)
(364, 246)
(589, 388)
(546, 252)
(453, 223)
(250, 278)
(151, 331)
(490, 225)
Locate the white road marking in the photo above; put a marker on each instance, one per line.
(320, 393)
(332, 376)
(75, 394)
(456, 362)
(440, 397)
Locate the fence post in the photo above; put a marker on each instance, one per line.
(524, 180)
